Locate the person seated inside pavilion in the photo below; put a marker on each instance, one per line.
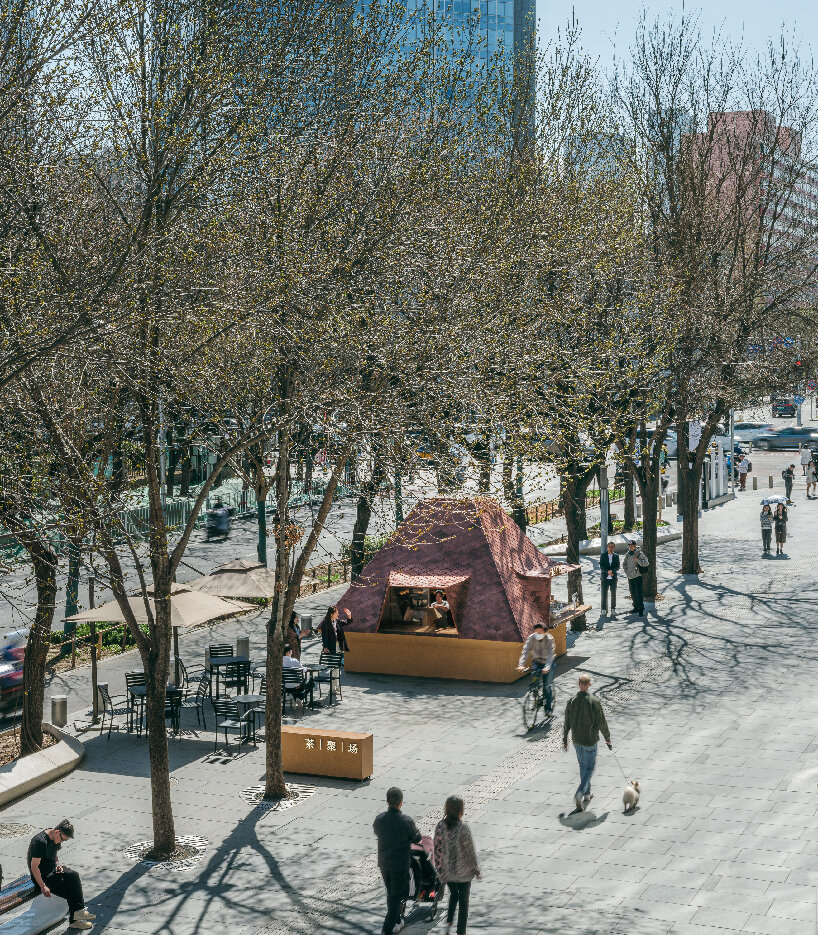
(440, 609)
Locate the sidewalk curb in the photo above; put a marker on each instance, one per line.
(38, 769)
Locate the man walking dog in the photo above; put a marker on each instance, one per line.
(584, 720)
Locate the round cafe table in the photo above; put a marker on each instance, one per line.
(252, 702)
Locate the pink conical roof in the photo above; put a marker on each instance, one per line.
(445, 539)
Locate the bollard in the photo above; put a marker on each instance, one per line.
(771, 480)
(99, 694)
(243, 646)
(675, 497)
(755, 483)
(59, 710)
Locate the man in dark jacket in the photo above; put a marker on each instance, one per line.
(609, 566)
(584, 719)
(396, 834)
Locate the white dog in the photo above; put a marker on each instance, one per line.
(630, 797)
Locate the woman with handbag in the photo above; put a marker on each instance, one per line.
(455, 861)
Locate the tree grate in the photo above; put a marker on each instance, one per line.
(192, 845)
(254, 795)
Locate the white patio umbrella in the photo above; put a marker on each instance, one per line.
(241, 578)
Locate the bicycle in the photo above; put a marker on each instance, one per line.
(534, 702)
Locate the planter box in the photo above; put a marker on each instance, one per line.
(339, 753)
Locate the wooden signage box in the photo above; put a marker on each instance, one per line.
(339, 753)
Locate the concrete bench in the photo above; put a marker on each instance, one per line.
(39, 915)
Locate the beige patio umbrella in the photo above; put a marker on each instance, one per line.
(241, 578)
(188, 608)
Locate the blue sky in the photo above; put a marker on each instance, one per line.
(609, 24)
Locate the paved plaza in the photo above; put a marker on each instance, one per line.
(712, 701)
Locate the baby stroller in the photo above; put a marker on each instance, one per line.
(425, 886)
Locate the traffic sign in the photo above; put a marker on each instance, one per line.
(811, 386)
(798, 400)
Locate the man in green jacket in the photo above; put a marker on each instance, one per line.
(584, 720)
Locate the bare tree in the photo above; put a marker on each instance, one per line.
(722, 151)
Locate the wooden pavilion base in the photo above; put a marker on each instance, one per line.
(421, 654)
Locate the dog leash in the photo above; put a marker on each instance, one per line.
(616, 759)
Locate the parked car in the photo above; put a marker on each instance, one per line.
(790, 437)
(784, 407)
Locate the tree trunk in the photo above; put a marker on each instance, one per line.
(398, 498)
(508, 476)
(573, 492)
(484, 460)
(519, 513)
(629, 517)
(173, 455)
(650, 512)
(261, 545)
(72, 586)
(44, 560)
(118, 474)
(186, 468)
(690, 478)
(157, 668)
(362, 517)
(274, 785)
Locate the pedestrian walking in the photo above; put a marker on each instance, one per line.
(766, 528)
(806, 457)
(780, 522)
(743, 471)
(635, 560)
(789, 477)
(609, 566)
(812, 479)
(455, 861)
(584, 720)
(52, 878)
(396, 834)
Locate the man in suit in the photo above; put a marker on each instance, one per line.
(609, 565)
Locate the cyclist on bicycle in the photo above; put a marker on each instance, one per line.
(540, 646)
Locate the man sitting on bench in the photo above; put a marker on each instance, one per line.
(51, 877)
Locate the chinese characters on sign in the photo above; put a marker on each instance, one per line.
(332, 746)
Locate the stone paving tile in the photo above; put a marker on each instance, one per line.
(729, 803)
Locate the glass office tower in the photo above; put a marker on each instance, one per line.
(503, 25)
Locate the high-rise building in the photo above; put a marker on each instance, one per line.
(501, 26)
